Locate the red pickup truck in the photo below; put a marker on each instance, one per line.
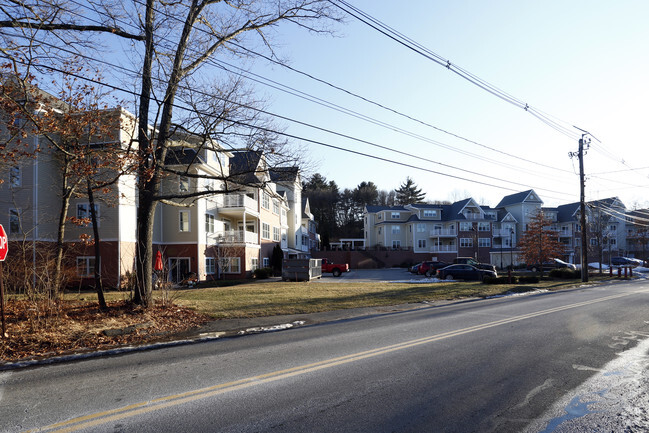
(334, 268)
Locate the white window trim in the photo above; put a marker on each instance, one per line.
(210, 222)
(180, 221)
(210, 265)
(88, 268)
(182, 181)
(466, 243)
(15, 176)
(265, 230)
(86, 206)
(226, 265)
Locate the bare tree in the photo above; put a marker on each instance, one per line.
(176, 42)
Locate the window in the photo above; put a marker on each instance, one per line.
(379, 230)
(612, 242)
(265, 262)
(507, 243)
(421, 228)
(612, 228)
(210, 265)
(254, 264)
(265, 231)
(183, 221)
(15, 177)
(276, 207)
(209, 184)
(484, 242)
(14, 221)
(465, 226)
(484, 227)
(466, 242)
(83, 211)
(430, 213)
(276, 234)
(230, 265)
(183, 184)
(209, 223)
(85, 266)
(396, 244)
(396, 229)
(421, 243)
(593, 242)
(395, 215)
(265, 201)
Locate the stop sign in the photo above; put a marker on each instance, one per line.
(4, 244)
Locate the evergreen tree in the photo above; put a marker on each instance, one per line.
(408, 193)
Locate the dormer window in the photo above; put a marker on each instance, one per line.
(395, 215)
(430, 213)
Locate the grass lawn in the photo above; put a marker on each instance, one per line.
(255, 299)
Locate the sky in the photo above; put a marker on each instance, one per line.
(583, 63)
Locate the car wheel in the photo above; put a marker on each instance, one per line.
(336, 272)
(533, 268)
(449, 277)
(429, 273)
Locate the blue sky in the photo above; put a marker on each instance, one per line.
(583, 62)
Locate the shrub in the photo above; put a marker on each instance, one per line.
(499, 280)
(528, 279)
(564, 273)
(262, 273)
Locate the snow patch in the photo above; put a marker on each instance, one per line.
(508, 294)
(273, 328)
(417, 281)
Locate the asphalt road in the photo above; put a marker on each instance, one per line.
(491, 365)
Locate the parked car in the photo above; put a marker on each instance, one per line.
(464, 272)
(429, 268)
(625, 261)
(473, 262)
(552, 264)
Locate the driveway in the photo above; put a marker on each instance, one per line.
(369, 275)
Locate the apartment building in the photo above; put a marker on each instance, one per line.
(227, 234)
(465, 228)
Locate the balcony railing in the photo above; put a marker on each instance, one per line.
(238, 200)
(237, 237)
(443, 249)
(442, 232)
(502, 233)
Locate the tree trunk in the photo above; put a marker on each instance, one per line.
(95, 229)
(66, 193)
(144, 245)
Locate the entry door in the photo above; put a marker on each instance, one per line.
(178, 268)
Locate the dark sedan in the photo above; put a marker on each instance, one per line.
(464, 272)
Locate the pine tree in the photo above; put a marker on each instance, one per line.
(408, 193)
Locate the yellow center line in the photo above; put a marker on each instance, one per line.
(92, 420)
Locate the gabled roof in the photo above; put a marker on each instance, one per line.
(520, 197)
(243, 166)
(567, 212)
(183, 156)
(284, 174)
(375, 209)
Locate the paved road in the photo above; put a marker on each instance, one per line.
(494, 365)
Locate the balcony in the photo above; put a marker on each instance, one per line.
(237, 237)
(443, 249)
(237, 203)
(434, 233)
(502, 233)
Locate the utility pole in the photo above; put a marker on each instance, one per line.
(584, 142)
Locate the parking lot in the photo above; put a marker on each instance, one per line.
(369, 275)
